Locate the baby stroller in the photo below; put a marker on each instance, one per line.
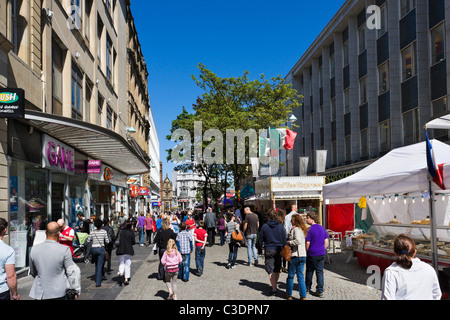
(80, 248)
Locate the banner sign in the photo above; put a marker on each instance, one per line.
(94, 166)
(12, 103)
(57, 156)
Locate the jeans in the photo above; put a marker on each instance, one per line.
(251, 246)
(222, 237)
(98, 256)
(315, 264)
(184, 267)
(296, 267)
(233, 253)
(141, 235)
(200, 258)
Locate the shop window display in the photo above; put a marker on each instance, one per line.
(28, 207)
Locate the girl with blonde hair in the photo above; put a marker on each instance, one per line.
(171, 259)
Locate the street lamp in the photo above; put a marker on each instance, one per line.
(292, 119)
(131, 129)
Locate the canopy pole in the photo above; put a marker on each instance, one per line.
(433, 233)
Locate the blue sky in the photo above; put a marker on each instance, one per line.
(228, 37)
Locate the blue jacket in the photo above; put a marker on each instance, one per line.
(273, 235)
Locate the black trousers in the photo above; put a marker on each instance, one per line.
(211, 236)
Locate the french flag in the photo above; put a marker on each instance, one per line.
(436, 172)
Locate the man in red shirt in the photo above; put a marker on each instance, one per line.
(200, 236)
(66, 235)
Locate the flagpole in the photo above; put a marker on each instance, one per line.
(433, 232)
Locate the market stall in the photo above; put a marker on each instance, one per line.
(396, 189)
(282, 192)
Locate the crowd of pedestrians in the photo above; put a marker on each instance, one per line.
(178, 237)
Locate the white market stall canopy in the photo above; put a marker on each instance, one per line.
(285, 188)
(440, 123)
(403, 170)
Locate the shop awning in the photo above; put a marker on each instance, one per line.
(95, 141)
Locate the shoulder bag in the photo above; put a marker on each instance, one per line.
(236, 235)
(286, 252)
(106, 252)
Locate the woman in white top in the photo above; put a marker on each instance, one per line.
(296, 239)
(409, 278)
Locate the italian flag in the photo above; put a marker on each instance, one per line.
(264, 147)
(282, 139)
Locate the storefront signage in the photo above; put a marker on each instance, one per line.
(12, 103)
(94, 166)
(134, 190)
(57, 156)
(156, 204)
(142, 191)
(108, 174)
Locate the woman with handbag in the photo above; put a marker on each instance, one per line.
(100, 239)
(233, 245)
(126, 240)
(296, 240)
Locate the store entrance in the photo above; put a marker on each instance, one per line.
(101, 210)
(57, 201)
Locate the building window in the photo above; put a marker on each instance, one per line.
(364, 143)
(77, 92)
(334, 153)
(100, 102)
(438, 44)
(321, 117)
(77, 15)
(385, 136)
(439, 108)
(333, 110)
(345, 54)
(109, 114)
(406, 6)
(87, 23)
(11, 22)
(57, 82)
(409, 62)
(383, 78)
(363, 91)
(332, 66)
(320, 77)
(99, 39)
(383, 20)
(362, 39)
(346, 101)
(109, 60)
(411, 127)
(348, 149)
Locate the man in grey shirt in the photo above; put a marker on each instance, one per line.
(210, 226)
(52, 267)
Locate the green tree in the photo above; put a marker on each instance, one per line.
(232, 104)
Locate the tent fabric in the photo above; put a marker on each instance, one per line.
(341, 217)
(403, 170)
(440, 123)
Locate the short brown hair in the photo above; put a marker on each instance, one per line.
(314, 216)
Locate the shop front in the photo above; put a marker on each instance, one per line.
(283, 192)
(48, 175)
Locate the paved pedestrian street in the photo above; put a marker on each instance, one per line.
(343, 281)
